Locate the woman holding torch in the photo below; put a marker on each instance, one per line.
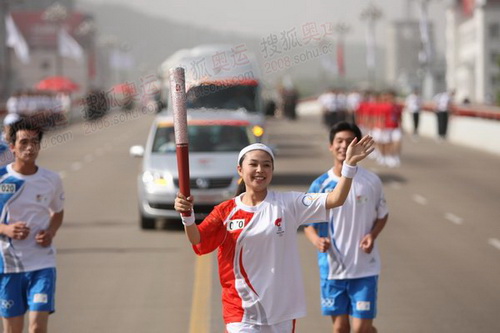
(255, 235)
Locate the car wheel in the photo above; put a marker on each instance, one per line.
(147, 223)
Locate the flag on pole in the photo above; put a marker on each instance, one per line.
(68, 46)
(16, 40)
(340, 58)
(327, 61)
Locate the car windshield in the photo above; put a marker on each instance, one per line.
(211, 138)
(222, 97)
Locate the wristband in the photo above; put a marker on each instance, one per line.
(348, 171)
(188, 220)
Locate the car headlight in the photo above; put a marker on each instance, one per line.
(258, 131)
(155, 177)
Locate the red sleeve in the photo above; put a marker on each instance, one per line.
(212, 232)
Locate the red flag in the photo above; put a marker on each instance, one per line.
(91, 71)
(340, 59)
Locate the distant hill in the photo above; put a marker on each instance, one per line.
(153, 39)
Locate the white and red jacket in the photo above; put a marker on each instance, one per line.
(259, 265)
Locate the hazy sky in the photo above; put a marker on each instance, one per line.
(262, 17)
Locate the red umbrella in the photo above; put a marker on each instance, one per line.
(57, 83)
(125, 89)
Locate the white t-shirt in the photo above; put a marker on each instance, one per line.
(413, 103)
(328, 101)
(443, 102)
(348, 224)
(259, 265)
(31, 199)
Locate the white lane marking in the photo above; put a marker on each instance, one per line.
(88, 158)
(76, 166)
(494, 242)
(453, 218)
(419, 199)
(395, 185)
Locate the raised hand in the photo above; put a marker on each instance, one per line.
(357, 151)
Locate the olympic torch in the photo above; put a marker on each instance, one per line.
(178, 97)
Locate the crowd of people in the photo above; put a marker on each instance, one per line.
(338, 105)
(49, 107)
(380, 115)
(377, 114)
(29, 102)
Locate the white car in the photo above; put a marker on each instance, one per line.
(215, 139)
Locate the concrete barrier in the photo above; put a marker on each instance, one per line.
(477, 133)
(473, 132)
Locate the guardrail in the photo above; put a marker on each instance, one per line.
(469, 126)
(473, 110)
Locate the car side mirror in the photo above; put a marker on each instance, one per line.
(136, 151)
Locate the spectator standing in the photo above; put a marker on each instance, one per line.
(444, 106)
(354, 99)
(329, 107)
(393, 131)
(413, 105)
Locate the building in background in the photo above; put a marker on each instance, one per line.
(412, 61)
(473, 49)
(60, 42)
(403, 68)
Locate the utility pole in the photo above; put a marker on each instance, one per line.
(87, 30)
(371, 14)
(426, 53)
(57, 14)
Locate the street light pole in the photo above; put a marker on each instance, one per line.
(110, 44)
(86, 29)
(56, 14)
(426, 52)
(371, 14)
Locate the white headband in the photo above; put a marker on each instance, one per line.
(255, 146)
